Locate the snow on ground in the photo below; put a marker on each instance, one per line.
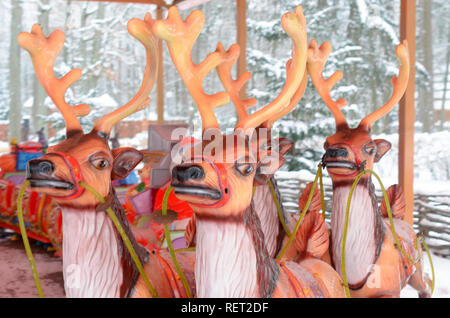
(442, 275)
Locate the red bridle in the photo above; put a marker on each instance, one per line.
(222, 175)
(357, 159)
(75, 171)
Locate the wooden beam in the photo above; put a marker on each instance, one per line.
(241, 8)
(188, 4)
(160, 78)
(154, 2)
(407, 110)
(161, 3)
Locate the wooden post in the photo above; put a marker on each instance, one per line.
(160, 79)
(407, 110)
(241, 8)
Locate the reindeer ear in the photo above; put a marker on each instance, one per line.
(283, 145)
(125, 160)
(272, 158)
(383, 146)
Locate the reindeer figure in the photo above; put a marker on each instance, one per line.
(96, 262)
(374, 266)
(263, 201)
(217, 178)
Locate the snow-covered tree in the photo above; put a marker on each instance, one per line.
(363, 34)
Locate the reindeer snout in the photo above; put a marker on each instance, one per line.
(336, 153)
(185, 173)
(37, 167)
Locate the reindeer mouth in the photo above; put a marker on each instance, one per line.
(50, 183)
(340, 164)
(197, 190)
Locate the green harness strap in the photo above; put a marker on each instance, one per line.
(291, 235)
(302, 215)
(322, 195)
(26, 243)
(394, 233)
(170, 246)
(280, 213)
(111, 215)
(344, 274)
(125, 238)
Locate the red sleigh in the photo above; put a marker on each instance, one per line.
(41, 215)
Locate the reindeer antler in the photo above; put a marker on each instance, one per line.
(317, 58)
(294, 24)
(142, 31)
(180, 37)
(43, 51)
(234, 86)
(294, 101)
(400, 83)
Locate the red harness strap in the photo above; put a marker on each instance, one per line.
(307, 285)
(357, 159)
(293, 281)
(8, 197)
(175, 283)
(75, 170)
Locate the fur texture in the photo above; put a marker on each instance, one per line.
(91, 255)
(266, 209)
(361, 243)
(226, 260)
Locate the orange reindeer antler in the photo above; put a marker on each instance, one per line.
(294, 101)
(43, 52)
(317, 58)
(294, 24)
(180, 37)
(400, 83)
(142, 31)
(233, 86)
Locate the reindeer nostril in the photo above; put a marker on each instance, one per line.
(336, 152)
(36, 167)
(184, 173)
(46, 167)
(196, 172)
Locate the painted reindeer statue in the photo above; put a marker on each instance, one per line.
(266, 195)
(216, 178)
(266, 200)
(96, 262)
(374, 266)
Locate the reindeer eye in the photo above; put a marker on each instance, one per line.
(244, 168)
(100, 163)
(370, 149)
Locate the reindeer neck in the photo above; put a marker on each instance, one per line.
(365, 232)
(266, 210)
(232, 259)
(96, 262)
